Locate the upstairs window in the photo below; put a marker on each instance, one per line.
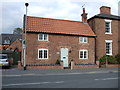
(43, 37)
(108, 27)
(83, 39)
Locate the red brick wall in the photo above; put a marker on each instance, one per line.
(54, 44)
(98, 26)
(85, 66)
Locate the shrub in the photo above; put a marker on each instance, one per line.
(58, 61)
(110, 59)
(117, 58)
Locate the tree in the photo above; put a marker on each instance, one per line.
(17, 31)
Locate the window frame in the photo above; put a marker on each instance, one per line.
(83, 50)
(110, 30)
(43, 36)
(109, 41)
(83, 39)
(42, 53)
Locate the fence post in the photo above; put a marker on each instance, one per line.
(20, 66)
(72, 65)
(98, 63)
(106, 62)
(61, 63)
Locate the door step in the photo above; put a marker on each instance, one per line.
(67, 68)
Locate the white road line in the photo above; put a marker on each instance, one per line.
(18, 75)
(107, 78)
(59, 82)
(20, 84)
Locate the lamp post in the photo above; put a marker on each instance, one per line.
(26, 4)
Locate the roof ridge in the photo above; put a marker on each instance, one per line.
(55, 19)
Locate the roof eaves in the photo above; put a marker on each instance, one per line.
(105, 16)
(62, 33)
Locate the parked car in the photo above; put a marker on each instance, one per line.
(5, 61)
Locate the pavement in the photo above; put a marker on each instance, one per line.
(13, 71)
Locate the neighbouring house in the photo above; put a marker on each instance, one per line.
(16, 46)
(50, 40)
(7, 40)
(107, 29)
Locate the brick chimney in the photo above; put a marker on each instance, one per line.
(105, 10)
(84, 16)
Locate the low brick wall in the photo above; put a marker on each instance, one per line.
(44, 67)
(40, 67)
(85, 66)
(82, 66)
(113, 65)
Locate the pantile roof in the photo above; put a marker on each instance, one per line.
(48, 25)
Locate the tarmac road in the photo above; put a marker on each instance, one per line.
(82, 78)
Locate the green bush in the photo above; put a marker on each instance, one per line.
(117, 58)
(16, 57)
(110, 59)
(58, 61)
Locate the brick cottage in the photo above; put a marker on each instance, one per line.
(74, 44)
(51, 40)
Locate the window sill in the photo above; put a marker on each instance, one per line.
(83, 42)
(43, 40)
(83, 58)
(109, 33)
(42, 58)
(109, 54)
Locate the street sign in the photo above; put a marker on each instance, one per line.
(24, 44)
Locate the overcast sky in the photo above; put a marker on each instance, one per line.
(12, 11)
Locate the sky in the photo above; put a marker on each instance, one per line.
(12, 11)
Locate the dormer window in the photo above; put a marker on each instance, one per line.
(108, 27)
(6, 41)
(42, 37)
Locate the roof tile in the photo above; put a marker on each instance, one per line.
(48, 25)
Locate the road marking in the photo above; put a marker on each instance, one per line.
(20, 84)
(59, 82)
(10, 75)
(28, 74)
(18, 75)
(107, 78)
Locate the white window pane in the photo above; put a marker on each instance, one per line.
(45, 53)
(81, 39)
(40, 54)
(108, 48)
(85, 39)
(81, 54)
(85, 54)
(107, 27)
(40, 36)
(45, 36)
